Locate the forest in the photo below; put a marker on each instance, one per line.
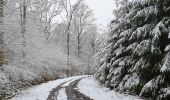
(56, 50)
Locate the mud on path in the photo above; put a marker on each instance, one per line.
(71, 92)
(54, 93)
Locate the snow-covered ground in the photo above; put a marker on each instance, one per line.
(91, 87)
(88, 86)
(62, 95)
(41, 92)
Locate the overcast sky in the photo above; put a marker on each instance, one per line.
(103, 10)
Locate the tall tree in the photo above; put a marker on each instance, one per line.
(82, 21)
(69, 10)
(1, 33)
(49, 10)
(23, 16)
(138, 57)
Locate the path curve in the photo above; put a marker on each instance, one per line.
(71, 92)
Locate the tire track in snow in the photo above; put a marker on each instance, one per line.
(54, 93)
(71, 92)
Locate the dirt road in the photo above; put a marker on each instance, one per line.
(70, 90)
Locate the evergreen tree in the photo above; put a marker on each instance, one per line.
(138, 61)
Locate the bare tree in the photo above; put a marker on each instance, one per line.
(69, 9)
(93, 31)
(23, 15)
(83, 20)
(1, 33)
(51, 9)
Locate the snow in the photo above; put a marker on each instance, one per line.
(167, 48)
(88, 86)
(165, 67)
(91, 88)
(68, 83)
(3, 78)
(41, 92)
(62, 95)
(116, 62)
(117, 71)
(132, 81)
(120, 51)
(143, 47)
(126, 33)
(146, 12)
(152, 85)
(132, 47)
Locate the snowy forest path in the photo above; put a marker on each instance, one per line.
(70, 89)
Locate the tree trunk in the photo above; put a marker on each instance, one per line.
(23, 16)
(78, 45)
(88, 66)
(1, 34)
(93, 43)
(68, 51)
(68, 46)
